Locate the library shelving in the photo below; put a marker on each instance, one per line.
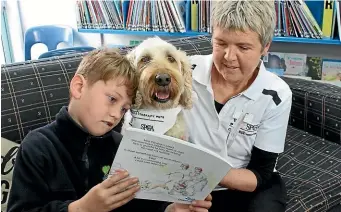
(191, 33)
(144, 33)
(307, 40)
(185, 18)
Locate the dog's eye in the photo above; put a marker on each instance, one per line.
(171, 59)
(145, 59)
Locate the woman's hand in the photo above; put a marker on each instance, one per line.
(197, 206)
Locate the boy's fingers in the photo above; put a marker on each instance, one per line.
(109, 182)
(198, 209)
(201, 204)
(122, 186)
(209, 198)
(124, 196)
(122, 202)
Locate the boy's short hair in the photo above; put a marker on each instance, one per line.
(106, 64)
(256, 15)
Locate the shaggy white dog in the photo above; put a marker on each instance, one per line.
(164, 90)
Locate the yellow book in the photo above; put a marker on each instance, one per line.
(194, 15)
(327, 21)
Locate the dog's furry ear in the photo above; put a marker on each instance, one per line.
(137, 101)
(131, 55)
(186, 97)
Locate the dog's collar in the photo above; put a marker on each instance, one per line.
(159, 121)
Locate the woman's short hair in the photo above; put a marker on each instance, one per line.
(258, 16)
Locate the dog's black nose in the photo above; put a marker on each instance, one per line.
(162, 79)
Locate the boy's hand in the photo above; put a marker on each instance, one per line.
(108, 195)
(198, 206)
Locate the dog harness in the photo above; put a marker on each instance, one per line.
(159, 121)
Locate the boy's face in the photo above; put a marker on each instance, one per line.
(99, 107)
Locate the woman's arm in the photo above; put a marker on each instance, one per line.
(256, 175)
(240, 179)
(268, 144)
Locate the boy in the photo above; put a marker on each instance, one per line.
(62, 166)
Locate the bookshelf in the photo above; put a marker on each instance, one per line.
(96, 11)
(191, 33)
(142, 33)
(307, 40)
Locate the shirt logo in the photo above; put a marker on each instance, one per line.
(249, 129)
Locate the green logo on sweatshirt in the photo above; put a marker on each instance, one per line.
(105, 170)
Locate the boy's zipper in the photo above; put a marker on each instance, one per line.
(85, 160)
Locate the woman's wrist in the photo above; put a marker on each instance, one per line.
(239, 179)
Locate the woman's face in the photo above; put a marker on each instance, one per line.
(236, 54)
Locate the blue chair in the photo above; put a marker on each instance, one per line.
(50, 35)
(64, 51)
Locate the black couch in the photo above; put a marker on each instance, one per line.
(34, 91)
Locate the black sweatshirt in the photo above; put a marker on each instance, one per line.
(59, 163)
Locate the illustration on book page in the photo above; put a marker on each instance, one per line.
(186, 181)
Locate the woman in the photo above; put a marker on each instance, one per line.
(242, 110)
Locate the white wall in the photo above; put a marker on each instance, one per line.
(15, 30)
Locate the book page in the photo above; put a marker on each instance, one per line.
(169, 169)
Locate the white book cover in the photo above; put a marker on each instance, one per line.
(169, 169)
(295, 64)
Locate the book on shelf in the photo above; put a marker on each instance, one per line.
(99, 14)
(295, 64)
(169, 169)
(147, 15)
(302, 65)
(294, 18)
(338, 18)
(326, 14)
(275, 63)
(331, 70)
(314, 67)
(318, 19)
(328, 18)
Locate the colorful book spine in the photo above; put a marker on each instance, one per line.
(327, 20)
(338, 17)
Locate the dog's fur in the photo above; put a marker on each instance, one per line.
(154, 56)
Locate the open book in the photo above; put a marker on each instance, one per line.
(169, 169)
